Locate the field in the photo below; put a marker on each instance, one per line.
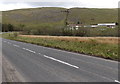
(110, 40)
(105, 47)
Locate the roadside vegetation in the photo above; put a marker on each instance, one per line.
(52, 30)
(90, 46)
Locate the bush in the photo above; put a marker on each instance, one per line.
(15, 34)
(34, 32)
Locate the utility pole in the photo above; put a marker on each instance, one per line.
(66, 19)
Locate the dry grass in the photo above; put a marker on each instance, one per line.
(113, 40)
(105, 47)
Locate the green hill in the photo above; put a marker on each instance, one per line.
(55, 17)
(52, 14)
(92, 15)
(34, 15)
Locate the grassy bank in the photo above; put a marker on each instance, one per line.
(90, 47)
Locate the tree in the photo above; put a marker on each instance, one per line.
(117, 23)
(5, 28)
(0, 27)
(10, 27)
(78, 22)
(21, 26)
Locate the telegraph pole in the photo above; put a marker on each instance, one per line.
(66, 19)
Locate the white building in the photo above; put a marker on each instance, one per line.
(110, 25)
(91, 26)
(74, 26)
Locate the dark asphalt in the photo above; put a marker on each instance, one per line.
(43, 64)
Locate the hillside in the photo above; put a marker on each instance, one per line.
(55, 15)
(34, 15)
(51, 21)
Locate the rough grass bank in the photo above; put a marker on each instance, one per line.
(95, 46)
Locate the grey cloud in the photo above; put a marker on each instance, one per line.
(55, 4)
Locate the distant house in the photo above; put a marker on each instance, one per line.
(94, 25)
(110, 25)
(91, 26)
(74, 26)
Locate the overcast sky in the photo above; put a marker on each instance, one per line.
(17, 4)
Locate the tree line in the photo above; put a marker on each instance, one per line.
(55, 30)
(11, 27)
(7, 27)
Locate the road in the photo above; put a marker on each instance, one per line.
(32, 63)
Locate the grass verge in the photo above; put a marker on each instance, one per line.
(91, 47)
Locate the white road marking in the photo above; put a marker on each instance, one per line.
(61, 61)
(29, 50)
(83, 55)
(117, 81)
(9, 43)
(16, 45)
(40, 53)
(24, 48)
(73, 66)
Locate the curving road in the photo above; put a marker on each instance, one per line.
(32, 63)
